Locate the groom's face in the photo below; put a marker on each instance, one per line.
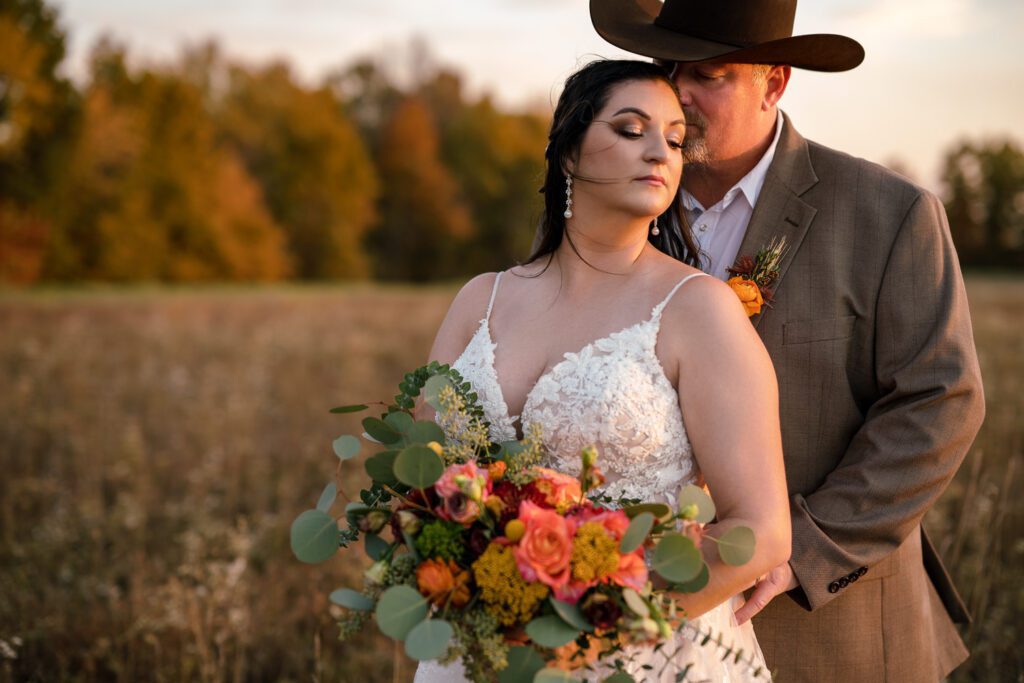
(723, 106)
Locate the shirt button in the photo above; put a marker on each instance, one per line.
(703, 227)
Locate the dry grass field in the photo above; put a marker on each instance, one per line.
(155, 446)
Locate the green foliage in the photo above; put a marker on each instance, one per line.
(441, 539)
(399, 610)
(523, 664)
(314, 536)
(570, 614)
(551, 631)
(677, 558)
(696, 496)
(402, 570)
(429, 639)
(346, 597)
(636, 532)
(418, 467)
(736, 546)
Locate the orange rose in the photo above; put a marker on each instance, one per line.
(544, 552)
(748, 292)
(439, 579)
(560, 491)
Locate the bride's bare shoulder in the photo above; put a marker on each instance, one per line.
(470, 303)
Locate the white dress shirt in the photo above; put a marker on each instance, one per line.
(719, 230)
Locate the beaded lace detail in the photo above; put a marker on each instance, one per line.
(612, 393)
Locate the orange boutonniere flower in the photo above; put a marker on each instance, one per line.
(752, 278)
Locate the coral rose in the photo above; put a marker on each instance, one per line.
(749, 294)
(443, 581)
(545, 549)
(560, 491)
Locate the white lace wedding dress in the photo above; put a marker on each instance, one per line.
(614, 394)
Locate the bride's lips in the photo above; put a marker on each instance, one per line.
(653, 180)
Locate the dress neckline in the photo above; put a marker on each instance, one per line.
(515, 421)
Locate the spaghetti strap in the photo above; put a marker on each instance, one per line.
(664, 302)
(494, 291)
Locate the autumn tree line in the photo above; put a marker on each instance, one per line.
(210, 170)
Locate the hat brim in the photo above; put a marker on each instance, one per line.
(629, 24)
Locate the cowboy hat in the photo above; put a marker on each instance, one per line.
(738, 31)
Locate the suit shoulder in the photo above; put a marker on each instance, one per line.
(832, 162)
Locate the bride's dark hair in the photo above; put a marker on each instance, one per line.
(585, 94)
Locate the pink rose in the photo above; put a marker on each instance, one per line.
(632, 570)
(545, 549)
(560, 491)
(462, 489)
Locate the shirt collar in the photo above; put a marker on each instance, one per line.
(750, 184)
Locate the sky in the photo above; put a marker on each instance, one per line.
(936, 71)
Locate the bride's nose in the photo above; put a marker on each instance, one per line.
(657, 150)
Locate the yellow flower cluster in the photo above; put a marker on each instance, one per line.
(503, 590)
(595, 554)
(466, 435)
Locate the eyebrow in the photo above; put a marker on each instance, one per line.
(644, 115)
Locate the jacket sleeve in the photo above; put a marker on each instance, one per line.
(929, 407)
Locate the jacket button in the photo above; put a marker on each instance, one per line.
(833, 587)
(853, 577)
(844, 582)
(862, 571)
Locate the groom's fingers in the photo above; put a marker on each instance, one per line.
(763, 593)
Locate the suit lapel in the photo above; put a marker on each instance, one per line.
(780, 212)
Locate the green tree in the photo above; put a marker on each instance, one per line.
(312, 165)
(984, 197)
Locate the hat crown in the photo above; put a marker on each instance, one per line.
(742, 23)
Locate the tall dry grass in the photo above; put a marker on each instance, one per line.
(155, 447)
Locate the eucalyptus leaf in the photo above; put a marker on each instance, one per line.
(695, 495)
(346, 597)
(736, 546)
(571, 615)
(400, 421)
(428, 639)
(381, 431)
(346, 447)
(696, 584)
(425, 431)
(619, 677)
(523, 664)
(553, 675)
(635, 602)
(327, 498)
(349, 409)
(399, 609)
(677, 558)
(432, 390)
(660, 511)
(636, 532)
(381, 467)
(375, 546)
(551, 631)
(418, 466)
(314, 536)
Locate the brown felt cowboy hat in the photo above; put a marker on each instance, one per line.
(738, 31)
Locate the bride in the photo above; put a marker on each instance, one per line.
(601, 337)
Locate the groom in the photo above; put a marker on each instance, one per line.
(880, 391)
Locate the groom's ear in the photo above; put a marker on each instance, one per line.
(775, 85)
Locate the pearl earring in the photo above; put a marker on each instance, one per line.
(568, 196)
(654, 228)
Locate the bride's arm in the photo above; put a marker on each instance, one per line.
(729, 399)
(458, 326)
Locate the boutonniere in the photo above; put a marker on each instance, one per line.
(753, 278)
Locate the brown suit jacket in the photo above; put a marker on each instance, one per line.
(880, 397)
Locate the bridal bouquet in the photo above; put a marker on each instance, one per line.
(481, 554)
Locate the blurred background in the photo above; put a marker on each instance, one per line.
(218, 220)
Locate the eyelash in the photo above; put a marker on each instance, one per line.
(636, 135)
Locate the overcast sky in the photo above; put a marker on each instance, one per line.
(936, 70)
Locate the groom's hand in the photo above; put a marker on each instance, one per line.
(777, 581)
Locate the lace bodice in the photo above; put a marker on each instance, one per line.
(612, 393)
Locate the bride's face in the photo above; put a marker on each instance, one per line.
(630, 159)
